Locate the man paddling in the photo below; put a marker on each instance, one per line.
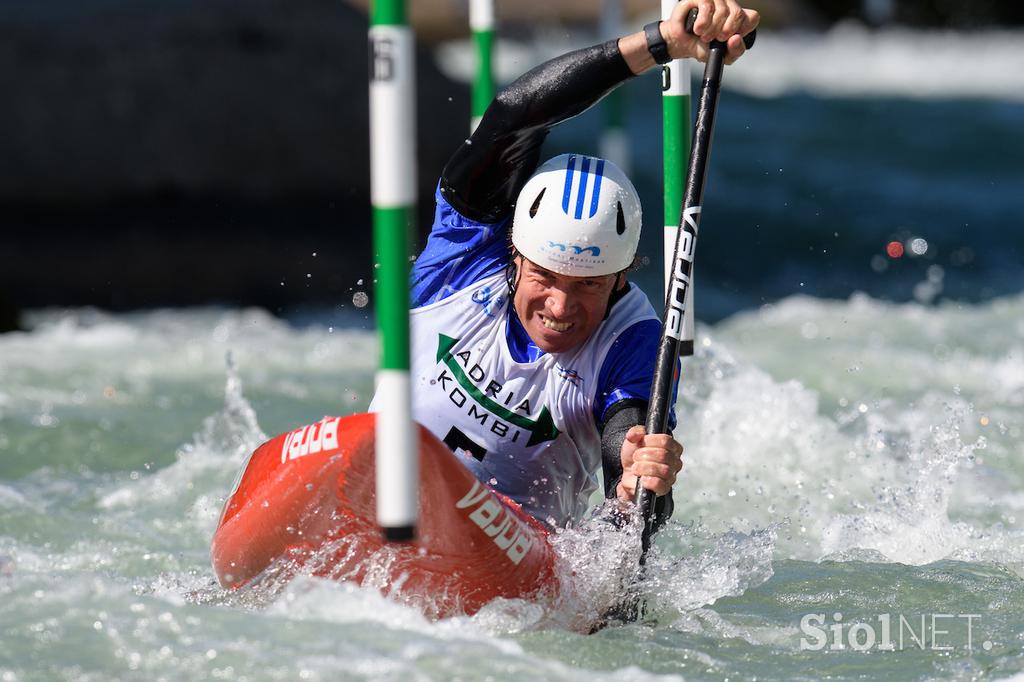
(532, 354)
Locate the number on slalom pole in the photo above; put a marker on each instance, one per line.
(382, 59)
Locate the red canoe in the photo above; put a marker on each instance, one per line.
(306, 502)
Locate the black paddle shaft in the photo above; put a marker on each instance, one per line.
(682, 262)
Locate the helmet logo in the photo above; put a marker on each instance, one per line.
(576, 248)
(582, 186)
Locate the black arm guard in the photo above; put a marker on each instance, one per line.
(618, 420)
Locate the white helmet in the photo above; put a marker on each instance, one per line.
(578, 216)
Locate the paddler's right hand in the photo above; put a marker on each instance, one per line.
(657, 459)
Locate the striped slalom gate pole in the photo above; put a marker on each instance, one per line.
(393, 192)
(675, 108)
(614, 142)
(481, 23)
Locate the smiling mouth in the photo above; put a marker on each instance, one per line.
(556, 326)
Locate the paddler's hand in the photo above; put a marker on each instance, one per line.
(721, 20)
(657, 459)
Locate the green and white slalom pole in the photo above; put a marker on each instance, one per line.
(481, 23)
(675, 115)
(614, 143)
(393, 192)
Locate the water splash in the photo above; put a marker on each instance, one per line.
(216, 453)
(727, 565)
(909, 522)
(598, 562)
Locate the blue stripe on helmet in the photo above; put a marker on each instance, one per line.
(584, 168)
(569, 170)
(598, 171)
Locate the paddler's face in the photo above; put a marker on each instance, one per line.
(559, 312)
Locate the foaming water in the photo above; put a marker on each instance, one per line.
(855, 457)
(886, 451)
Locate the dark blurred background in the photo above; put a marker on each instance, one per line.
(185, 152)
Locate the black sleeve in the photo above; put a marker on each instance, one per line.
(483, 178)
(619, 419)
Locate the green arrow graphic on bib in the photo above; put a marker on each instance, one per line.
(540, 430)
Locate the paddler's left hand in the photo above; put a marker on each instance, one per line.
(657, 459)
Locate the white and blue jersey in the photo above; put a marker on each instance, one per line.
(524, 421)
(461, 252)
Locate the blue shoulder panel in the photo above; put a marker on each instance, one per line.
(628, 368)
(459, 252)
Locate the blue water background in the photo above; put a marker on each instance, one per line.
(805, 191)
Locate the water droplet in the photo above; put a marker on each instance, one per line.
(360, 299)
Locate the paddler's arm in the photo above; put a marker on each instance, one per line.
(624, 421)
(483, 178)
(478, 187)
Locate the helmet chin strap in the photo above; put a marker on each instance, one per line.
(618, 291)
(512, 274)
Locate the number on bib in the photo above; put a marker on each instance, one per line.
(456, 440)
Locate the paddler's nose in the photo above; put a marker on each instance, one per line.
(560, 303)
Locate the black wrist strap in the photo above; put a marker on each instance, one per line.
(656, 44)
